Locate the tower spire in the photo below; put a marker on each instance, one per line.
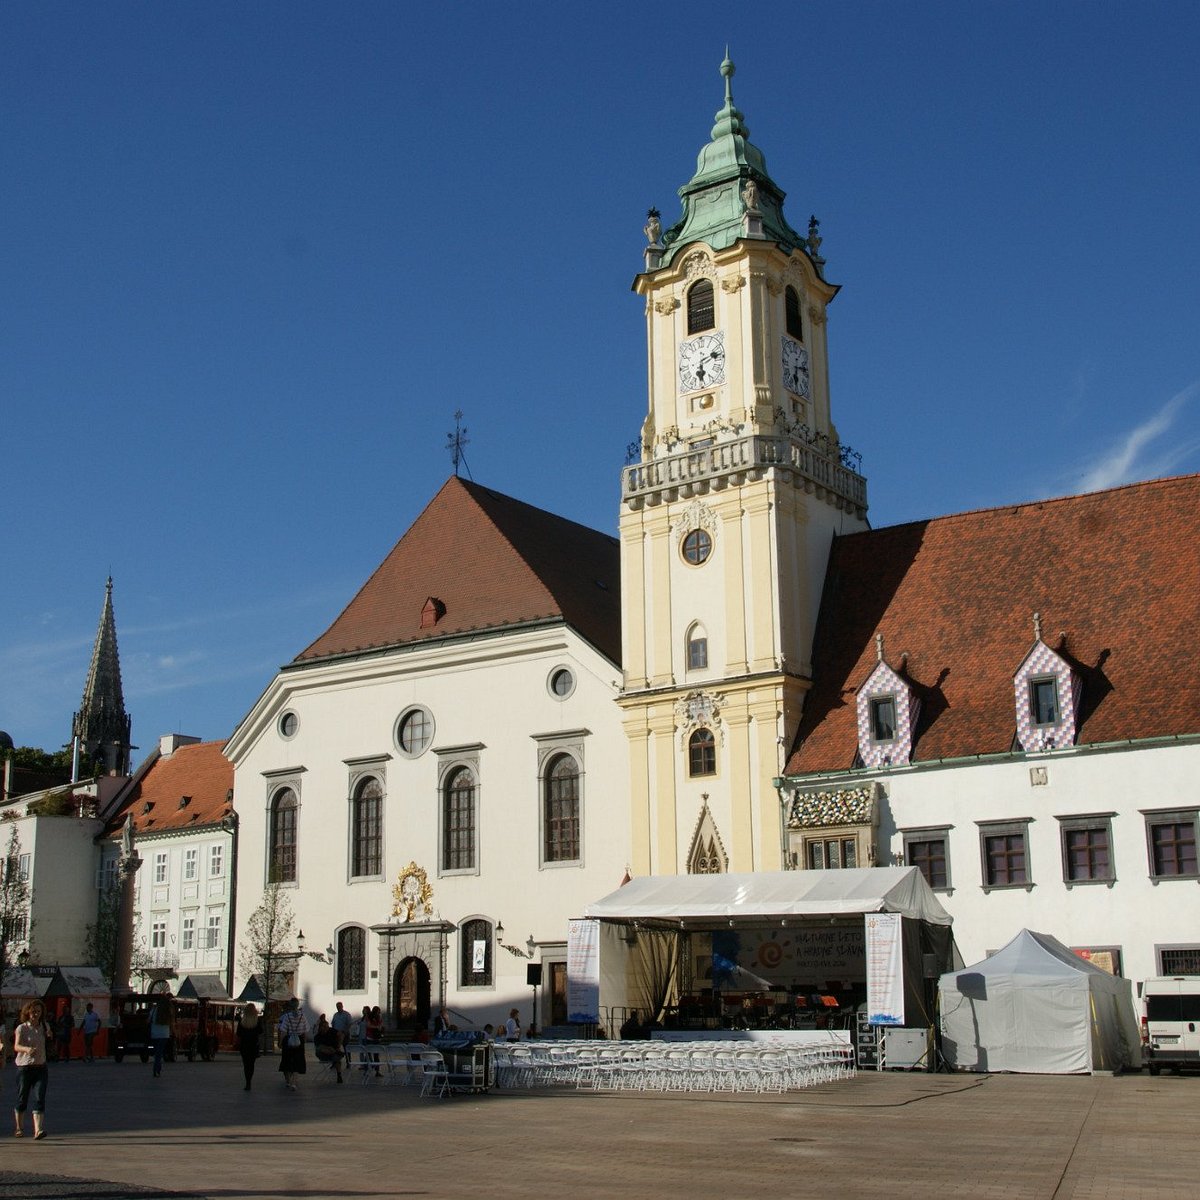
(101, 728)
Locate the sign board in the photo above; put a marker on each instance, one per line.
(583, 972)
(885, 970)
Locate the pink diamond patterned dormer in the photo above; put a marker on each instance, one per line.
(1046, 693)
(887, 716)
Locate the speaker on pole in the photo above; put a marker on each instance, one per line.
(533, 974)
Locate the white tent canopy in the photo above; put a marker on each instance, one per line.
(697, 900)
(1035, 1006)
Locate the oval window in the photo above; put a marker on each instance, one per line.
(414, 732)
(288, 724)
(562, 683)
(697, 546)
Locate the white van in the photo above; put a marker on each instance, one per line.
(1171, 1022)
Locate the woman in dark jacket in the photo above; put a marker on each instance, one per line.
(249, 1035)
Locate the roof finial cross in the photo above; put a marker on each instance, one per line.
(456, 442)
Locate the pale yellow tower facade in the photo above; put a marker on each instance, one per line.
(727, 519)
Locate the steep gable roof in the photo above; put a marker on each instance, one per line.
(487, 562)
(1115, 571)
(199, 771)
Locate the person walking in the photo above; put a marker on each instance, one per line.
(29, 1043)
(249, 1040)
(340, 1024)
(162, 1027)
(293, 1028)
(90, 1026)
(64, 1027)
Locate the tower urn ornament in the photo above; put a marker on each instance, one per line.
(653, 227)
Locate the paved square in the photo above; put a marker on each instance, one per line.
(196, 1132)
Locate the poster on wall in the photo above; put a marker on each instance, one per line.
(583, 972)
(885, 970)
(479, 955)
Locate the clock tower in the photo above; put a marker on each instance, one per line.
(727, 518)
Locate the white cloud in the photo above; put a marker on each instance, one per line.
(1142, 453)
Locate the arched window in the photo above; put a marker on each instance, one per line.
(458, 821)
(282, 866)
(476, 958)
(702, 753)
(700, 311)
(560, 817)
(352, 959)
(697, 648)
(791, 310)
(366, 832)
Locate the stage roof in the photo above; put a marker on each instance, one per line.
(697, 901)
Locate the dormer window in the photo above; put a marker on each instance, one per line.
(1046, 691)
(888, 708)
(791, 310)
(883, 719)
(432, 612)
(701, 313)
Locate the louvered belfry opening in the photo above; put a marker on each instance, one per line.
(700, 311)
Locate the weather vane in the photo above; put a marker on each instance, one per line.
(456, 442)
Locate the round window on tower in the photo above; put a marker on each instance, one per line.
(697, 546)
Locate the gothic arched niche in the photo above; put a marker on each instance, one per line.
(707, 854)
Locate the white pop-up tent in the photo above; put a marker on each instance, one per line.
(1036, 1006)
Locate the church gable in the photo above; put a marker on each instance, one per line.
(478, 560)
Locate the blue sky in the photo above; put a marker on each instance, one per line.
(256, 256)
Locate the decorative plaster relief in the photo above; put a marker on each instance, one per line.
(698, 263)
(697, 515)
(816, 315)
(733, 284)
(666, 307)
(411, 893)
(699, 710)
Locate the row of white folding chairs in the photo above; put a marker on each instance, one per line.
(673, 1066)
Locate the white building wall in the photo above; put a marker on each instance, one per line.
(62, 885)
(490, 693)
(1134, 913)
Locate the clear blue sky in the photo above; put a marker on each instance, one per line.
(256, 255)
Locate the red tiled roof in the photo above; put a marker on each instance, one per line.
(492, 562)
(199, 771)
(1117, 571)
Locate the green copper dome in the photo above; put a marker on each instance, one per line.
(714, 207)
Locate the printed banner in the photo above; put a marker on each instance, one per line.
(479, 956)
(885, 970)
(583, 972)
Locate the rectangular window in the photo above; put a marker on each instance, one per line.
(191, 864)
(1004, 847)
(1179, 960)
(216, 861)
(213, 941)
(1172, 842)
(1043, 701)
(1087, 848)
(831, 854)
(698, 653)
(160, 867)
(188, 940)
(928, 855)
(883, 719)
(158, 935)
(24, 866)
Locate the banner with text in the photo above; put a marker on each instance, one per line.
(885, 970)
(583, 972)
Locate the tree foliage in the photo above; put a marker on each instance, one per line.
(14, 901)
(103, 938)
(267, 939)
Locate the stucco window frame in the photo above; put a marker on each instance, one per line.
(1005, 828)
(1171, 816)
(276, 781)
(359, 771)
(338, 989)
(1072, 822)
(490, 959)
(450, 759)
(931, 833)
(1159, 947)
(860, 833)
(549, 747)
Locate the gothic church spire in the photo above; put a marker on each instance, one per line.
(101, 728)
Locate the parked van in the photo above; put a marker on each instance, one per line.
(1171, 1022)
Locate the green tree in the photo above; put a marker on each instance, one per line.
(104, 937)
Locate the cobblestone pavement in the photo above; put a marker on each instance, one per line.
(115, 1131)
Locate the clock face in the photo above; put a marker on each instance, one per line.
(702, 362)
(795, 367)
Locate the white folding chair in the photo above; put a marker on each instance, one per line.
(435, 1080)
